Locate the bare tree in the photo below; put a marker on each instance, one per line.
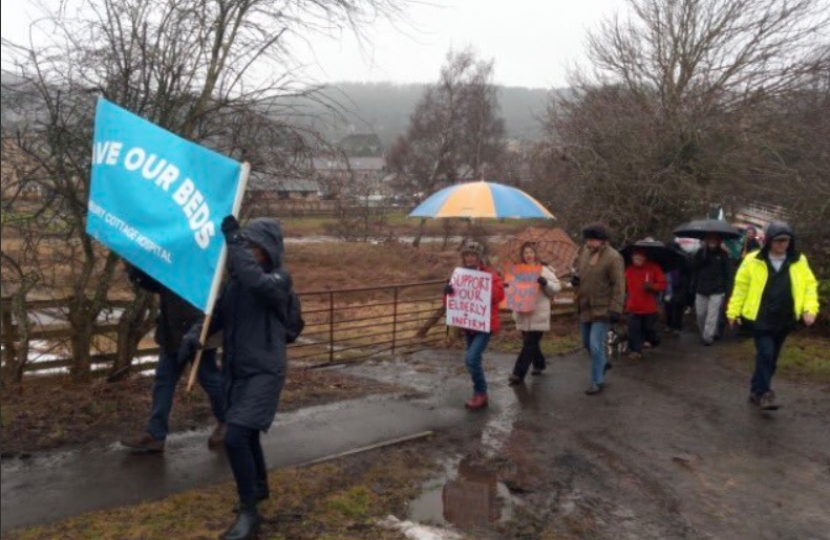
(455, 124)
(191, 66)
(669, 118)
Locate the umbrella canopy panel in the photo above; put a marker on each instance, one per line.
(553, 246)
(478, 200)
(703, 227)
(667, 258)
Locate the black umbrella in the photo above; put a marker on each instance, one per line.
(665, 257)
(701, 228)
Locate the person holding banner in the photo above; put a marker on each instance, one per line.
(472, 258)
(599, 280)
(251, 312)
(176, 316)
(533, 323)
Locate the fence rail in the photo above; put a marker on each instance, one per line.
(342, 326)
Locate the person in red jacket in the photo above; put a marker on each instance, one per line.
(644, 283)
(472, 257)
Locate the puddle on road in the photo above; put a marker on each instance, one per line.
(465, 496)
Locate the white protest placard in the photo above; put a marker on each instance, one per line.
(469, 306)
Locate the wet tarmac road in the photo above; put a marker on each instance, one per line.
(66, 484)
(670, 450)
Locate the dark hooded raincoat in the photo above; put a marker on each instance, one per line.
(251, 312)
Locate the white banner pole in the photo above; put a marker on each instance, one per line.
(217, 277)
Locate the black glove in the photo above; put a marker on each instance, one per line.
(230, 226)
(190, 344)
(649, 286)
(542, 281)
(614, 317)
(575, 280)
(449, 290)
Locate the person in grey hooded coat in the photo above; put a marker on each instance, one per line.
(251, 312)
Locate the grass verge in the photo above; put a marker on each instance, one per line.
(333, 501)
(51, 413)
(804, 358)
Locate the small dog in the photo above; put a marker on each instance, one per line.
(617, 344)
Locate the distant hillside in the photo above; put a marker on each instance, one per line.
(385, 108)
(380, 108)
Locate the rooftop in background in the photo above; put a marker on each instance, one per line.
(376, 164)
(260, 181)
(361, 145)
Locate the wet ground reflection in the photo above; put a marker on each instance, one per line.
(466, 496)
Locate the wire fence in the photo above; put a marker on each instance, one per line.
(342, 326)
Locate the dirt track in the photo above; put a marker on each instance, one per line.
(671, 450)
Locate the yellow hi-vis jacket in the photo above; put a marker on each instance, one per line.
(752, 278)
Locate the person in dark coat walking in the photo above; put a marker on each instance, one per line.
(252, 313)
(678, 296)
(750, 243)
(713, 279)
(176, 316)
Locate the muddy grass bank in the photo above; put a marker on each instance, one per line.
(51, 413)
(336, 500)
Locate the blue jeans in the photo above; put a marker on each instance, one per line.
(476, 343)
(767, 347)
(168, 373)
(594, 337)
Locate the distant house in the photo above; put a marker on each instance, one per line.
(361, 145)
(352, 175)
(267, 187)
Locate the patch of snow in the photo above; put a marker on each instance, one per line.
(416, 531)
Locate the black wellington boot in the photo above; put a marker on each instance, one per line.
(246, 525)
(262, 493)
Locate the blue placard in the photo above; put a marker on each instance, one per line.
(158, 200)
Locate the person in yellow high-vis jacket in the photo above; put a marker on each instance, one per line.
(774, 290)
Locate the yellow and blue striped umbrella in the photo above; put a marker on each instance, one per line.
(481, 200)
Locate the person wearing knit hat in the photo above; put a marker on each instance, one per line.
(599, 281)
(596, 231)
(472, 258)
(774, 290)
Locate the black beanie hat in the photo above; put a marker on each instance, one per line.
(596, 231)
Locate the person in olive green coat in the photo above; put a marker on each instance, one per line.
(599, 280)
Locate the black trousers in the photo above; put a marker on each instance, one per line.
(674, 315)
(531, 353)
(640, 330)
(247, 461)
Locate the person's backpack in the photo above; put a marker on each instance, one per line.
(295, 323)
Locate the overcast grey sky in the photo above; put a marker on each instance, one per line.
(533, 42)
